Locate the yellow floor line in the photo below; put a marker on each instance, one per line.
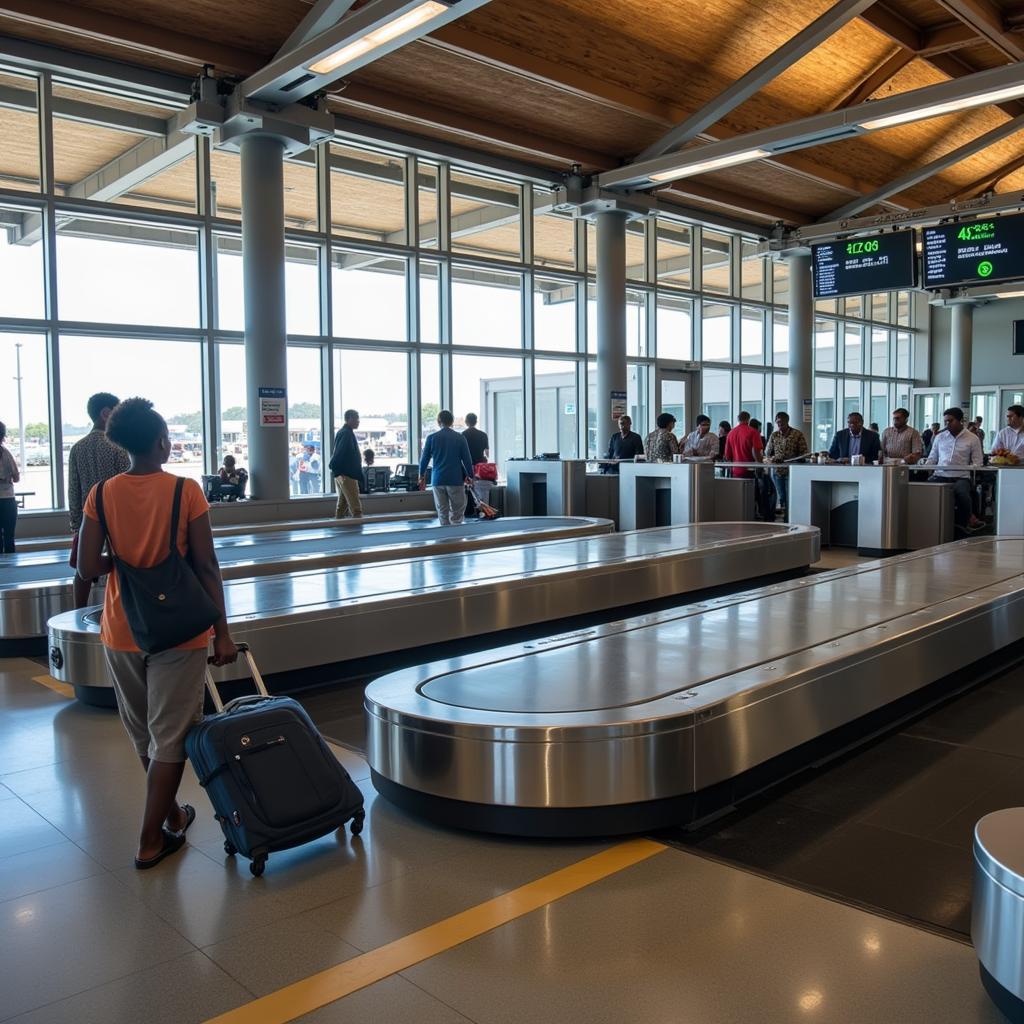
(53, 684)
(293, 1001)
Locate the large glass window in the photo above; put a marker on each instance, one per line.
(675, 327)
(636, 252)
(492, 387)
(554, 314)
(636, 322)
(853, 348)
(486, 309)
(19, 129)
(780, 398)
(26, 413)
(852, 399)
(376, 385)
(368, 196)
(554, 234)
(780, 339)
(306, 446)
(879, 352)
(716, 333)
(485, 216)
(232, 429)
(675, 254)
(824, 345)
(824, 414)
(427, 206)
(430, 302)
(751, 335)
(716, 395)
(226, 184)
(752, 276)
(125, 273)
(557, 411)
(752, 394)
(716, 261)
(430, 399)
(368, 296)
(171, 380)
(21, 259)
(879, 404)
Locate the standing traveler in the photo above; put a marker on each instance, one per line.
(479, 444)
(452, 472)
(160, 691)
(724, 427)
(92, 459)
(9, 476)
(701, 444)
(743, 444)
(625, 444)
(347, 467)
(902, 441)
(309, 470)
(928, 436)
(785, 444)
(661, 444)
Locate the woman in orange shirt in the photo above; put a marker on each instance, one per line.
(160, 696)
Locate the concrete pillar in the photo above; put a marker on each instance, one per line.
(266, 353)
(961, 343)
(611, 321)
(801, 344)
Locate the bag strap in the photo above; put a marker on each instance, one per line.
(176, 513)
(103, 518)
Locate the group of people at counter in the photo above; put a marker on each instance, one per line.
(947, 446)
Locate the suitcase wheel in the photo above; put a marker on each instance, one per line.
(229, 848)
(357, 822)
(258, 864)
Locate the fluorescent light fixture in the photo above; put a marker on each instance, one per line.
(378, 37)
(936, 109)
(714, 164)
(1008, 295)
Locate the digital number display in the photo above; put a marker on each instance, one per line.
(974, 252)
(857, 265)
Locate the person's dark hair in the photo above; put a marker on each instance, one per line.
(98, 402)
(229, 459)
(756, 424)
(724, 424)
(445, 418)
(1017, 410)
(3, 431)
(857, 414)
(937, 425)
(665, 420)
(703, 419)
(136, 426)
(782, 416)
(744, 417)
(369, 454)
(350, 414)
(956, 412)
(906, 412)
(470, 419)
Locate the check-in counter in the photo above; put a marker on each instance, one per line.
(546, 487)
(929, 514)
(1009, 500)
(603, 496)
(855, 506)
(665, 494)
(734, 499)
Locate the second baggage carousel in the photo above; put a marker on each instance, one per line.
(305, 619)
(37, 585)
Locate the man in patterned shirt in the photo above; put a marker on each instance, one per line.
(701, 444)
(92, 459)
(901, 441)
(785, 443)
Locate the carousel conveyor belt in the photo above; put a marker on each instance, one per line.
(633, 725)
(305, 619)
(37, 585)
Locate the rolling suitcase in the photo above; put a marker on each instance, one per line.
(271, 778)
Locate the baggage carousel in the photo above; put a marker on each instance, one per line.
(322, 617)
(632, 725)
(37, 585)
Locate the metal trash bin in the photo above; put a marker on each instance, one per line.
(997, 915)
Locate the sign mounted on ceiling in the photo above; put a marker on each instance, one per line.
(973, 252)
(855, 266)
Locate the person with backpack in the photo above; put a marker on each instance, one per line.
(164, 595)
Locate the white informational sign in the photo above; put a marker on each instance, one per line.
(618, 404)
(273, 407)
(808, 410)
(570, 408)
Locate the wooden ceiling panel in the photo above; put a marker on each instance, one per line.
(80, 149)
(101, 99)
(19, 154)
(771, 186)
(924, 13)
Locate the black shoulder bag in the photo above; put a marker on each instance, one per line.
(165, 605)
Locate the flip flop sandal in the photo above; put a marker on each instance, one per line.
(173, 842)
(190, 816)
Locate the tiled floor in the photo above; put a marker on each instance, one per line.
(85, 939)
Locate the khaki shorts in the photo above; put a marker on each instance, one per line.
(160, 698)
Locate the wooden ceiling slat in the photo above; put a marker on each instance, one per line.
(987, 20)
(882, 75)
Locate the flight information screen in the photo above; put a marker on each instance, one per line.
(974, 252)
(854, 266)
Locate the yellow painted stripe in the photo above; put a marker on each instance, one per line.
(335, 983)
(53, 684)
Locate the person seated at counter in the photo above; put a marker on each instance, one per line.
(723, 432)
(957, 446)
(902, 441)
(743, 444)
(661, 444)
(625, 444)
(854, 441)
(1008, 446)
(786, 444)
(701, 443)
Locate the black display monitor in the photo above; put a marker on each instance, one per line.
(973, 252)
(854, 266)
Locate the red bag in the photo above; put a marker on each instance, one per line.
(486, 471)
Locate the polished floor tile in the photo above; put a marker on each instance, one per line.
(35, 870)
(24, 830)
(394, 1001)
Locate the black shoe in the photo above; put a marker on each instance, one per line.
(173, 842)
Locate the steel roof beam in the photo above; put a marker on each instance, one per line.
(884, 73)
(928, 170)
(12, 98)
(987, 182)
(759, 76)
(987, 20)
(324, 14)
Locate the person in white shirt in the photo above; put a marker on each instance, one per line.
(701, 444)
(957, 446)
(1010, 440)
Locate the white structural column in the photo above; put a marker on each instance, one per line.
(611, 320)
(801, 343)
(266, 350)
(961, 344)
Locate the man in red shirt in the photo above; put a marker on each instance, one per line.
(743, 444)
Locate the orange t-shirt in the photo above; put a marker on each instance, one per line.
(138, 513)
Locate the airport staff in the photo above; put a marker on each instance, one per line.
(854, 441)
(1010, 440)
(957, 446)
(902, 441)
(452, 472)
(625, 444)
(701, 444)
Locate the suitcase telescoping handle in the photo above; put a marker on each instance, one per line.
(256, 677)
